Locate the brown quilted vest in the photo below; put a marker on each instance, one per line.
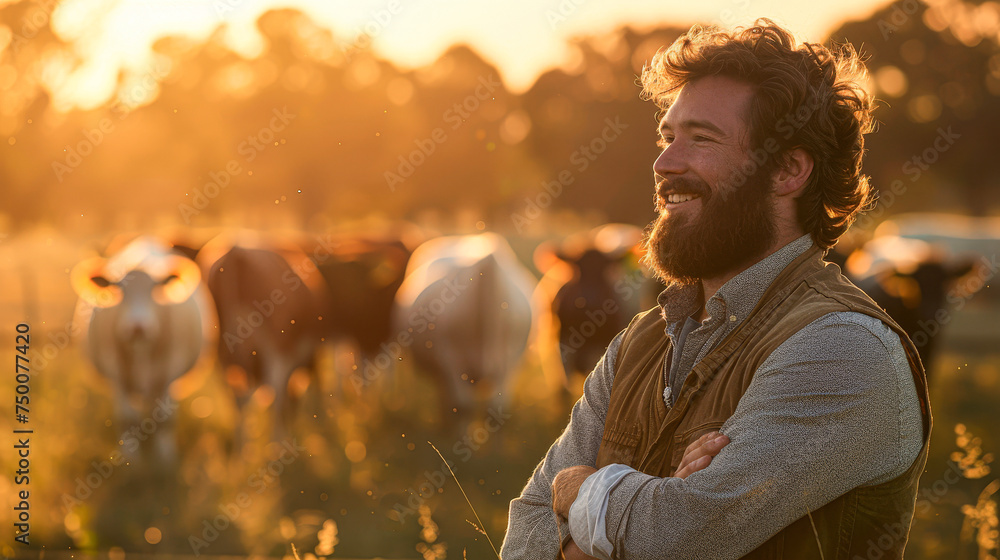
(641, 432)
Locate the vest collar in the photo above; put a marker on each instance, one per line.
(738, 296)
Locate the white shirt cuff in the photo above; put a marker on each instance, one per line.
(586, 515)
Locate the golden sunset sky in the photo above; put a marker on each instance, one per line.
(522, 37)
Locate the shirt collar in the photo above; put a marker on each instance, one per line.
(737, 297)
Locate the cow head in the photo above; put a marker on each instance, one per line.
(169, 279)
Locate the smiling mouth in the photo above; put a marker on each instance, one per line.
(675, 198)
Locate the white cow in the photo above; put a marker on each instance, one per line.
(466, 303)
(146, 320)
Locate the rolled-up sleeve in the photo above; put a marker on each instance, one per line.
(586, 515)
(533, 532)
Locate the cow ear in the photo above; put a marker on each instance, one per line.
(189, 252)
(88, 281)
(182, 280)
(962, 266)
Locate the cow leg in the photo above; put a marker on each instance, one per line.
(166, 449)
(457, 393)
(276, 372)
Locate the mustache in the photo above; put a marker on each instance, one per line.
(681, 184)
(678, 184)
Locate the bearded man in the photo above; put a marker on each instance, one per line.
(767, 408)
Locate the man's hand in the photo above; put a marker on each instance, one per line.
(566, 485)
(699, 454)
(573, 552)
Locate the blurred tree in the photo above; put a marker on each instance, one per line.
(318, 124)
(937, 68)
(590, 124)
(29, 50)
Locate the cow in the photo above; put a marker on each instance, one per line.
(146, 320)
(362, 274)
(591, 287)
(917, 283)
(967, 237)
(270, 300)
(465, 307)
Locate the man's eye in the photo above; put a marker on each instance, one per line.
(700, 138)
(664, 142)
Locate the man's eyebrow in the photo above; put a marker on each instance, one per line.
(694, 123)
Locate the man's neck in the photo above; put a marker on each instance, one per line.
(709, 286)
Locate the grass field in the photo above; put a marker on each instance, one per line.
(356, 477)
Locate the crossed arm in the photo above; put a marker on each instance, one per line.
(538, 518)
(566, 486)
(832, 409)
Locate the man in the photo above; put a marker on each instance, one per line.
(767, 408)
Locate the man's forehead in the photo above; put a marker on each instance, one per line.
(710, 102)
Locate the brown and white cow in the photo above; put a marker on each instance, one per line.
(146, 320)
(270, 300)
(465, 308)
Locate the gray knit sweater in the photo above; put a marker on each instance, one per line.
(834, 407)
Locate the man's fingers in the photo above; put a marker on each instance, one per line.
(702, 440)
(709, 444)
(708, 439)
(698, 455)
(694, 466)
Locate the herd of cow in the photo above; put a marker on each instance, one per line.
(464, 309)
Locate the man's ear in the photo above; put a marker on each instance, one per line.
(793, 173)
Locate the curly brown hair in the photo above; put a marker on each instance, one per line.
(804, 96)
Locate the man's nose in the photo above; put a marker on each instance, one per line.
(670, 162)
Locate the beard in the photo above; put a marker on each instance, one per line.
(730, 230)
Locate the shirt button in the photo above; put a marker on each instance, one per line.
(732, 318)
